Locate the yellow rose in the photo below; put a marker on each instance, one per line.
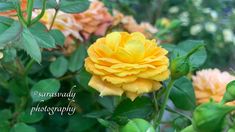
(126, 63)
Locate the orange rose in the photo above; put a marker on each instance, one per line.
(95, 20)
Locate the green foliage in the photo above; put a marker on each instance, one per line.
(182, 94)
(137, 125)
(28, 117)
(74, 6)
(46, 86)
(21, 127)
(4, 6)
(30, 45)
(11, 34)
(140, 107)
(76, 61)
(58, 36)
(59, 67)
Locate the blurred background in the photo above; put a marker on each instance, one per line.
(210, 20)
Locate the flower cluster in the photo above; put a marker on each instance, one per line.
(210, 83)
(95, 20)
(126, 63)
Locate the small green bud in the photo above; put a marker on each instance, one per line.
(230, 92)
(179, 67)
(209, 117)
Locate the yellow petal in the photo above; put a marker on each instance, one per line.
(123, 55)
(139, 86)
(152, 72)
(89, 65)
(129, 72)
(118, 80)
(131, 95)
(156, 86)
(135, 49)
(112, 40)
(103, 50)
(138, 36)
(107, 69)
(104, 88)
(162, 76)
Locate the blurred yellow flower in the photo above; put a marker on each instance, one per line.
(126, 63)
(165, 22)
(210, 83)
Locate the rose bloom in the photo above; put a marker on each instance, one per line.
(126, 63)
(210, 83)
(129, 24)
(95, 20)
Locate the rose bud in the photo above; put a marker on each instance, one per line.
(209, 117)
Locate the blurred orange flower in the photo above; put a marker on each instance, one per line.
(95, 20)
(129, 24)
(210, 83)
(126, 63)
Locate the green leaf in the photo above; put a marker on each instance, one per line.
(138, 125)
(5, 126)
(139, 108)
(103, 122)
(107, 102)
(6, 20)
(98, 114)
(44, 39)
(9, 54)
(59, 67)
(83, 78)
(11, 34)
(78, 123)
(58, 36)
(182, 94)
(168, 47)
(3, 28)
(74, 6)
(22, 127)
(30, 45)
(28, 117)
(4, 6)
(5, 115)
(47, 86)
(17, 86)
(77, 59)
(198, 58)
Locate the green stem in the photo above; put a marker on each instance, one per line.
(19, 14)
(179, 113)
(29, 65)
(161, 112)
(41, 14)
(29, 11)
(53, 20)
(193, 51)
